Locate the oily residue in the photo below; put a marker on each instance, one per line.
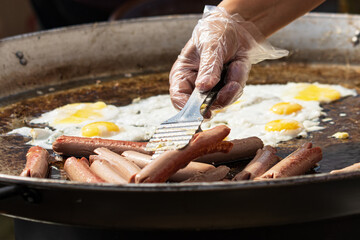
(344, 114)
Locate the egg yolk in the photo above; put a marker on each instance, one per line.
(100, 129)
(286, 108)
(80, 112)
(316, 93)
(341, 135)
(282, 124)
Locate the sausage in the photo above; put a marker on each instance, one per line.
(192, 169)
(126, 168)
(79, 170)
(83, 147)
(354, 167)
(106, 171)
(264, 159)
(296, 163)
(36, 163)
(93, 158)
(216, 174)
(168, 163)
(139, 159)
(242, 149)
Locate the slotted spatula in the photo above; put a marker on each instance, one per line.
(176, 132)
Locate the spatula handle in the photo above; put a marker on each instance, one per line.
(193, 108)
(212, 94)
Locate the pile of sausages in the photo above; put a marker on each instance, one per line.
(95, 160)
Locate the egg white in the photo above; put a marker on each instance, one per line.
(246, 117)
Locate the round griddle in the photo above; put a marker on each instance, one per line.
(118, 61)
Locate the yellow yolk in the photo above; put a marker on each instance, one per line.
(316, 93)
(87, 111)
(286, 108)
(341, 135)
(282, 124)
(100, 129)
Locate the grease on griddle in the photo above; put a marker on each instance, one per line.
(122, 91)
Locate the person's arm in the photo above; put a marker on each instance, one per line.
(232, 34)
(270, 15)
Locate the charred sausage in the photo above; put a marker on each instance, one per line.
(265, 158)
(168, 163)
(83, 147)
(192, 169)
(216, 174)
(296, 163)
(36, 163)
(242, 149)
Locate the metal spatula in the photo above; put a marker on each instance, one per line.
(176, 132)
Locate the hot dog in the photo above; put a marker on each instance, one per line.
(243, 148)
(126, 168)
(354, 167)
(265, 158)
(140, 159)
(36, 163)
(79, 170)
(165, 165)
(106, 171)
(297, 163)
(192, 169)
(83, 147)
(216, 174)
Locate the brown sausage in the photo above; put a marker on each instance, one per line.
(265, 158)
(354, 167)
(126, 168)
(296, 163)
(83, 147)
(243, 149)
(79, 170)
(216, 174)
(36, 163)
(168, 163)
(106, 171)
(192, 169)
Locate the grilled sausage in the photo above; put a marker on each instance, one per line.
(216, 174)
(354, 167)
(296, 163)
(83, 147)
(265, 158)
(36, 163)
(79, 170)
(165, 165)
(126, 168)
(106, 171)
(242, 149)
(192, 169)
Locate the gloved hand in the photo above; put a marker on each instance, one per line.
(218, 38)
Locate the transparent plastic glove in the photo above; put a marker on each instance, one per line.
(218, 38)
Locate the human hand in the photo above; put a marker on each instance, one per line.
(219, 38)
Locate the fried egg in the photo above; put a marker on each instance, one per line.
(272, 112)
